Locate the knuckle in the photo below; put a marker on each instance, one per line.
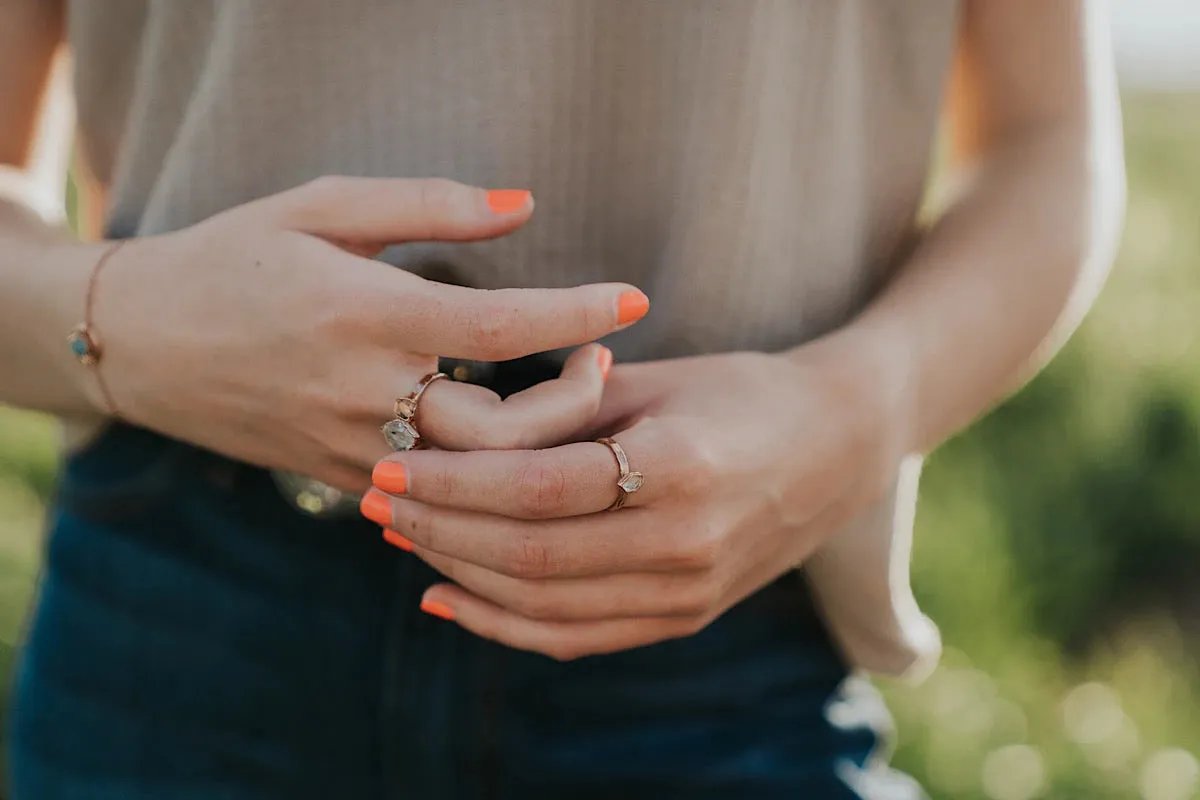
(593, 321)
(351, 401)
(699, 600)
(589, 404)
(699, 546)
(333, 440)
(326, 189)
(477, 434)
(386, 318)
(534, 602)
(436, 200)
(426, 305)
(443, 485)
(696, 465)
(541, 487)
(490, 433)
(337, 318)
(563, 652)
(694, 624)
(494, 330)
(530, 559)
(310, 202)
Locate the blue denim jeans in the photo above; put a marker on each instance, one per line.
(197, 638)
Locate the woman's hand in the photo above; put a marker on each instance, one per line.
(749, 460)
(265, 334)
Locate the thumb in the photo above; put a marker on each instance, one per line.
(395, 210)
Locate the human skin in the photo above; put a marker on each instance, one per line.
(267, 333)
(752, 461)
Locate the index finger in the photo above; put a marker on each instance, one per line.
(502, 324)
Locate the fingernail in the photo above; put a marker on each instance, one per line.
(604, 359)
(507, 201)
(391, 537)
(376, 507)
(632, 305)
(390, 477)
(437, 609)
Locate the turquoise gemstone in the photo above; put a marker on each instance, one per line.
(79, 345)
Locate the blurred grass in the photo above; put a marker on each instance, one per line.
(1058, 541)
(27, 461)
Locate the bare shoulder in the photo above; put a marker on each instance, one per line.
(1027, 64)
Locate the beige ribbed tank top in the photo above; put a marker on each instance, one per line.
(755, 166)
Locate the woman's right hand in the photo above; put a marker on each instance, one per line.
(263, 333)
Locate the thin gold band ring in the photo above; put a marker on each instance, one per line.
(628, 481)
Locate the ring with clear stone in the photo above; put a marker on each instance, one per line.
(628, 481)
(401, 433)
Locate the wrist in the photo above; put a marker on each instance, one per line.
(870, 371)
(68, 270)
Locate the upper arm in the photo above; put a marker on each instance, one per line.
(30, 33)
(1027, 66)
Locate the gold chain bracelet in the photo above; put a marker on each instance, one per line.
(85, 343)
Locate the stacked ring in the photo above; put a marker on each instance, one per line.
(401, 433)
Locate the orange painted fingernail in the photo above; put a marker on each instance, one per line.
(391, 537)
(437, 609)
(631, 306)
(507, 201)
(604, 359)
(390, 477)
(376, 507)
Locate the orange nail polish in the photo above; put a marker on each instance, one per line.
(437, 609)
(376, 507)
(390, 477)
(604, 359)
(507, 201)
(631, 306)
(393, 538)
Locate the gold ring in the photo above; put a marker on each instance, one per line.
(628, 481)
(401, 433)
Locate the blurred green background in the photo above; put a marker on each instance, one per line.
(1058, 541)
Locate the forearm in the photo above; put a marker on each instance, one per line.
(43, 271)
(43, 280)
(995, 286)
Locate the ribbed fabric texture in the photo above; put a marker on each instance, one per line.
(754, 165)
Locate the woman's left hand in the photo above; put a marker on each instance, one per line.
(750, 462)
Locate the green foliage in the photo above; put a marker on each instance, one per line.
(1058, 540)
(1057, 544)
(21, 510)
